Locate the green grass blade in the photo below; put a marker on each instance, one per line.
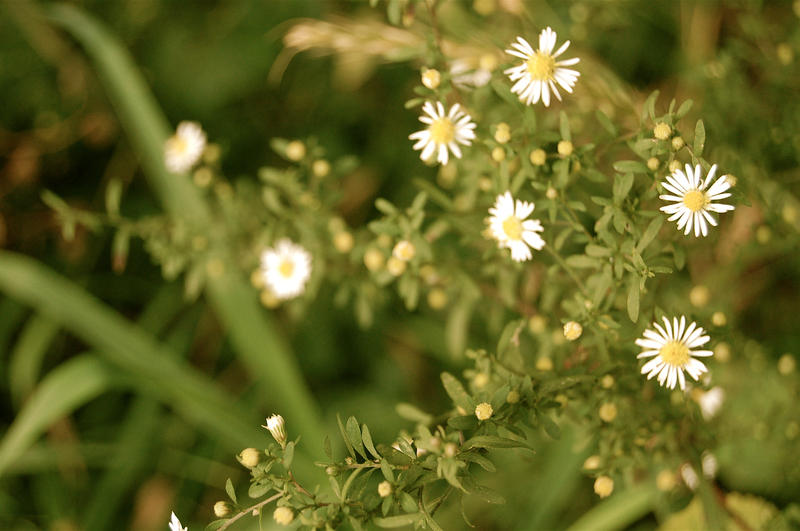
(28, 355)
(619, 511)
(66, 387)
(129, 348)
(136, 107)
(258, 344)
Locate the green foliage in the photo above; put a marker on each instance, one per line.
(408, 285)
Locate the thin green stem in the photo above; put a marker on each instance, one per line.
(567, 268)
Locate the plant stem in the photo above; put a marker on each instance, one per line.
(249, 510)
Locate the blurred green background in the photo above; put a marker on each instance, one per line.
(121, 454)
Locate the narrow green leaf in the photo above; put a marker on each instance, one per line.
(619, 511)
(650, 233)
(564, 126)
(367, 438)
(345, 438)
(65, 388)
(457, 392)
(26, 359)
(402, 520)
(492, 441)
(649, 109)
(633, 300)
(354, 436)
(699, 138)
(606, 123)
(630, 166)
(230, 490)
(684, 109)
(386, 470)
(582, 261)
(622, 186)
(412, 413)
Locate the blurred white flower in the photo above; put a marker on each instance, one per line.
(689, 476)
(710, 402)
(692, 198)
(671, 347)
(540, 71)
(286, 268)
(709, 465)
(175, 524)
(511, 228)
(444, 132)
(183, 149)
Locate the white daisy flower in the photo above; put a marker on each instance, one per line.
(183, 149)
(175, 524)
(693, 198)
(286, 269)
(710, 402)
(540, 71)
(511, 228)
(444, 132)
(671, 347)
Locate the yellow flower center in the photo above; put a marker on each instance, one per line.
(286, 268)
(674, 353)
(695, 200)
(443, 131)
(178, 144)
(512, 226)
(541, 66)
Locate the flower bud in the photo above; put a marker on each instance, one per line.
(343, 241)
(395, 266)
(544, 364)
(512, 397)
(268, 299)
(283, 515)
(222, 509)
(603, 486)
(384, 489)
(592, 462)
(719, 319)
(277, 427)
(321, 168)
(498, 154)
(607, 412)
(537, 324)
(786, 364)
(431, 78)
(565, 148)
(374, 259)
(249, 457)
(538, 157)
(483, 411)
(674, 165)
(450, 449)
(677, 143)
(551, 193)
(404, 250)
(503, 133)
(662, 131)
(572, 330)
(699, 296)
(665, 480)
(653, 164)
(295, 150)
(607, 381)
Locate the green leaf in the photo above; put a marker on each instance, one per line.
(581, 261)
(630, 166)
(463, 422)
(550, 427)
(478, 459)
(412, 413)
(230, 490)
(354, 436)
(29, 351)
(622, 186)
(457, 392)
(633, 300)
(67, 387)
(128, 347)
(619, 511)
(402, 520)
(345, 437)
(597, 251)
(505, 337)
(367, 438)
(606, 123)
(386, 470)
(650, 233)
(649, 108)
(699, 138)
(684, 109)
(564, 126)
(493, 441)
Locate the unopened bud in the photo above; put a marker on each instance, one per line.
(653, 164)
(572, 330)
(607, 412)
(295, 150)
(404, 250)
(384, 489)
(277, 427)
(498, 154)
(565, 148)
(283, 515)
(431, 78)
(677, 143)
(249, 457)
(374, 259)
(395, 266)
(222, 509)
(484, 411)
(503, 133)
(343, 241)
(320, 168)
(538, 157)
(603, 486)
(662, 131)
